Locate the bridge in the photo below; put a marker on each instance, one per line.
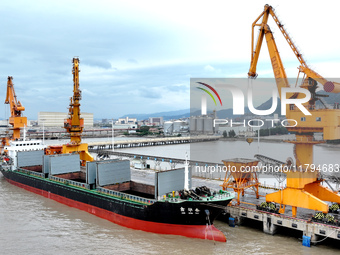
(149, 142)
(160, 159)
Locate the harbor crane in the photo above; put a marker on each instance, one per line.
(17, 120)
(74, 124)
(304, 187)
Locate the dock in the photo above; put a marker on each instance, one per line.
(246, 212)
(312, 232)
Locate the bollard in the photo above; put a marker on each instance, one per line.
(306, 241)
(231, 222)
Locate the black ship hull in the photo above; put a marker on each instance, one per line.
(186, 218)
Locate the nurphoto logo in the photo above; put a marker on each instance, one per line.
(238, 100)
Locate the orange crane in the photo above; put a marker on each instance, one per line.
(74, 124)
(16, 119)
(304, 187)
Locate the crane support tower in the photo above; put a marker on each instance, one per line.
(74, 124)
(16, 119)
(304, 187)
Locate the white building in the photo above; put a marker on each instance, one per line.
(127, 120)
(56, 119)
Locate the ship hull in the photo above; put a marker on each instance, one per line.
(189, 218)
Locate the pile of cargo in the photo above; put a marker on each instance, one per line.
(268, 207)
(325, 218)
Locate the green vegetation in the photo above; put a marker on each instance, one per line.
(231, 133)
(143, 130)
(273, 131)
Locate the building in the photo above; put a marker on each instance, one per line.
(156, 121)
(203, 125)
(125, 126)
(5, 123)
(56, 119)
(126, 120)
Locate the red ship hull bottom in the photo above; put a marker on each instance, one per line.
(209, 232)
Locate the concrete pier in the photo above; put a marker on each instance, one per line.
(272, 222)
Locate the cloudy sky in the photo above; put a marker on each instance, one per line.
(139, 56)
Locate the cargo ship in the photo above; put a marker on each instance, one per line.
(104, 188)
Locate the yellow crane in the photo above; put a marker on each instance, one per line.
(16, 119)
(74, 124)
(304, 187)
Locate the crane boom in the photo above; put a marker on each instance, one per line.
(329, 86)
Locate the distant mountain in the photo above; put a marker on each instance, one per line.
(331, 99)
(228, 113)
(166, 115)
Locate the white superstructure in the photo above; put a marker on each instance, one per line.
(22, 145)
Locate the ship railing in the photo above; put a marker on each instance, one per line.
(70, 182)
(217, 196)
(29, 172)
(125, 196)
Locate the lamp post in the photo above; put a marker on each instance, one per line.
(113, 142)
(43, 122)
(258, 140)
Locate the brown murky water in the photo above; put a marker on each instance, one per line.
(32, 224)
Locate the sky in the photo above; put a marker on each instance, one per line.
(138, 56)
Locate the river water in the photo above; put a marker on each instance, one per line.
(32, 224)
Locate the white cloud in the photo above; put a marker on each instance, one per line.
(209, 68)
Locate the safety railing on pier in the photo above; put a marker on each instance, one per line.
(29, 172)
(150, 142)
(70, 182)
(125, 196)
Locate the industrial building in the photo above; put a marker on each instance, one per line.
(203, 124)
(56, 119)
(156, 121)
(175, 127)
(126, 120)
